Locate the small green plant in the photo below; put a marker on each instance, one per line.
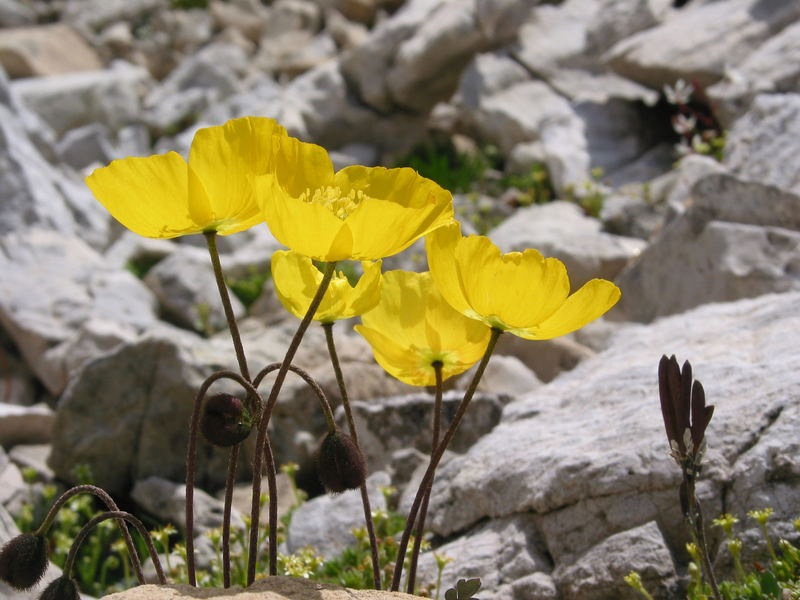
(535, 186)
(465, 589)
(188, 4)
(140, 265)
(591, 194)
(249, 287)
(442, 162)
(694, 123)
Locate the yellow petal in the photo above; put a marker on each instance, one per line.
(306, 227)
(404, 204)
(367, 293)
(295, 281)
(225, 159)
(148, 195)
(395, 359)
(592, 300)
(300, 167)
(440, 246)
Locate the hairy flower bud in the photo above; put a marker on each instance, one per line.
(23, 561)
(340, 464)
(62, 588)
(225, 421)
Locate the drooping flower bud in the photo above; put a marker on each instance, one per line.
(23, 561)
(225, 421)
(63, 588)
(340, 464)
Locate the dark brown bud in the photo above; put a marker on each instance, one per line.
(225, 421)
(62, 588)
(340, 464)
(23, 561)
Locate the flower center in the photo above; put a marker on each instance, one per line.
(331, 198)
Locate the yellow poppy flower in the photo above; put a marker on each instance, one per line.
(297, 280)
(163, 196)
(519, 292)
(412, 327)
(358, 213)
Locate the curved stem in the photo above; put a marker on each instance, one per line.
(121, 516)
(262, 431)
(191, 459)
(437, 420)
(110, 505)
(696, 525)
(348, 411)
(437, 456)
(270, 461)
(233, 459)
(211, 240)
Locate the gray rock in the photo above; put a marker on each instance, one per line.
(389, 424)
(546, 358)
(241, 500)
(736, 240)
(45, 50)
(587, 452)
(13, 489)
(599, 573)
(700, 42)
(18, 381)
(167, 501)
(81, 308)
(185, 286)
(94, 14)
(136, 253)
(33, 456)
(501, 553)
(772, 68)
(690, 170)
(560, 229)
(756, 146)
(326, 522)
(14, 13)
(35, 193)
(111, 96)
(86, 145)
(506, 375)
(25, 424)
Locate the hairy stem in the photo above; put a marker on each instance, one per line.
(437, 456)
(437, 419)
(121, 516)
(348, 411)
(110, 505)
(191, 458)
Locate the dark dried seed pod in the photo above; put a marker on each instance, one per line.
(62, 588)
(23, 561)
(340, 464)
(225, 421)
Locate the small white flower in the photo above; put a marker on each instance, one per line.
(681, 93)
(684, 125)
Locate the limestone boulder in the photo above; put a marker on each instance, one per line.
(586, 454)
(756, 146)
(700, 41)
(327, 522)
(25, 424)
(82, 307)
(45, 50)
(269, 588)
(737, 239)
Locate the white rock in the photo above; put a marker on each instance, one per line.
(699, 43)
(25, 424)
(736, 240)
(110, 96)
(14, 13)
(599, 574)
(771, 68)
(326, 522)
(45, 50)
(86, 145)
(167, 501)
(756, 146)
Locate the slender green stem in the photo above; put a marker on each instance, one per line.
(262, 434)
(348, 411)
(191, 458)
(211, 239)
(110, 505)
(437, 419)
(437, 456)
(698, 533)
(121, 516)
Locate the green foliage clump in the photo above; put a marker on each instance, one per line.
(140, 265)
(249, 287)
(442, 162)
(777, 578)
(188, 4)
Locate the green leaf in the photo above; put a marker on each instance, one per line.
(769, 585)
(450, 595)
(467, 589)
